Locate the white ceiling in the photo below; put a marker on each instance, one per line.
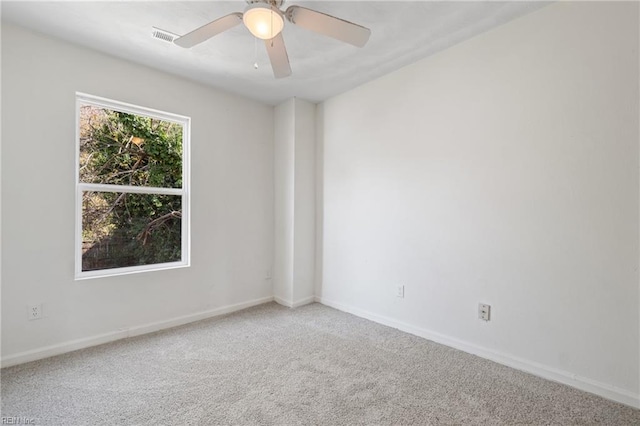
(402, 33)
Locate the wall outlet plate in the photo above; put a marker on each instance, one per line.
(484, 312)
(400, 291)
(34, 312)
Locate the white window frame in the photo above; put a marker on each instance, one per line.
(86, 99)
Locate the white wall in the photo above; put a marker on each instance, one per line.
(503, 170)
(232, 197)
(294, 162)
(319, 193)
(305, 198)
(284, 171)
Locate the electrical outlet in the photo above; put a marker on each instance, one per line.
(400, 291)
(34, 312)
(268, 275)
(484, 312)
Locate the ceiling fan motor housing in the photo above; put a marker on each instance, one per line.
(274, 3)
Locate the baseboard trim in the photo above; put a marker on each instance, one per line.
(73, 345)
(281, 301)
(295, 304)
(303, 302)
(583, 383)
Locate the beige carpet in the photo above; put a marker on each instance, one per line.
(270, 365)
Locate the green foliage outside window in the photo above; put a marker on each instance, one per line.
(122, 229)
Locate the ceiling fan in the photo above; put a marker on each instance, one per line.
(265, 20)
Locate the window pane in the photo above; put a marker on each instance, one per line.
(123, 229)
(119, 148)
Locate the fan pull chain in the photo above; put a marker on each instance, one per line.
(255, 53)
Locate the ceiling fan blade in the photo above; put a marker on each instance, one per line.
(209, 30)
(328, 25)
(278, 56)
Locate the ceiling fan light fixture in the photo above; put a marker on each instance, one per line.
(263, 20)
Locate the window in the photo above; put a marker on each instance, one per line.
(132, 188)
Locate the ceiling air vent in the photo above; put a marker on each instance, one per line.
(163, 35)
